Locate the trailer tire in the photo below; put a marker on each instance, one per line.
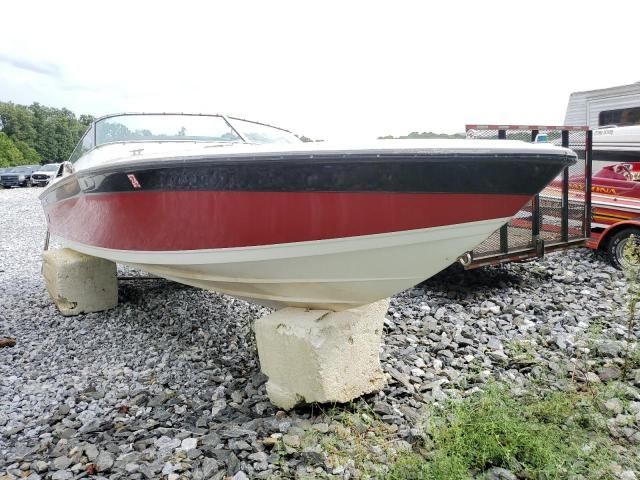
(616, 245)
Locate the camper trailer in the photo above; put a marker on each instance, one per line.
(614, 115)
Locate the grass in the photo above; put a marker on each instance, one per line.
(596, 329)
(541, 434)
(633, 356)
(632, 272)
(521, 349)
(554, 435)
(562, 435)
(545, 434)
(357, 438)
(518, 346)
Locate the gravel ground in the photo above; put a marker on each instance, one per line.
(167, 385)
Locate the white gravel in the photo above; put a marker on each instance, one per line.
(168, 385)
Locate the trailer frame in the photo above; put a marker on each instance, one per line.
(560, 222)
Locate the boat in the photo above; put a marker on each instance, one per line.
(614, 206)
(249, 210)
(615, 196)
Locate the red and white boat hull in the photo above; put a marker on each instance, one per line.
(333, 274)
(321, 228)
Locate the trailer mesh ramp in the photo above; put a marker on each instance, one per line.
(552, 220)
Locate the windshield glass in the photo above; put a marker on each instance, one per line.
(138, 127)
(258, 133)
(52, 167)
(20, 170)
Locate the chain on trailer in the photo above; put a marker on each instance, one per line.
(558, 217)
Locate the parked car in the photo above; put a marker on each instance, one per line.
(17, 176)
(3, 171)
(43, 175)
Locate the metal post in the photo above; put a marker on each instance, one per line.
(47, 236)
(587, 184)
(565, 193)
(534, 134)
(504, 238)
(535, 217)
(504, 230)
(535, 206)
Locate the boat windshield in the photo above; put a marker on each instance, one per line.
(164, 127)
(176, 127)
(260, 133)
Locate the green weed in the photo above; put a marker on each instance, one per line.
(558, 436)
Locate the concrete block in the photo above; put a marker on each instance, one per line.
(79, 283)
(320, 355)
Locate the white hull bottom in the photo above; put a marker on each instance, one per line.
(335, 274)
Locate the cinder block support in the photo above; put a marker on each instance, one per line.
(319, 355)
(79, 283)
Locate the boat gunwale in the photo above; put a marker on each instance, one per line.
(127, 166)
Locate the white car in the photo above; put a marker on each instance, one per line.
(45, 174)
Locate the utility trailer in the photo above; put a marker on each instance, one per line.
(558, 218)
(602, 126)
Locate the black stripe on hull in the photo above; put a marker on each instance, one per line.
(506, 174)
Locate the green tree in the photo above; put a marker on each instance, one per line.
(420, 135)
(9, 153)
(42, 134)
(17, 122)
(86, 121)
(31, 157)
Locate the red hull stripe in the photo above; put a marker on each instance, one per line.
(194, 220)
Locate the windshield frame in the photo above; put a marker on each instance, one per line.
(230, 120)
(168, 114)
(90, 135)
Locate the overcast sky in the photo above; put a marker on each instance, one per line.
(331, 70)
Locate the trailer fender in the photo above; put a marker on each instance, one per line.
(599, 241)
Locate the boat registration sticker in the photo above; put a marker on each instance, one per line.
(134, 181)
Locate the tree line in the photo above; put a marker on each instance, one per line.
(418, 135)
(36, 134)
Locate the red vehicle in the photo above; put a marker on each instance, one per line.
(615, 207)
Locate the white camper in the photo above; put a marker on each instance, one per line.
(619, 106)
(614, 115)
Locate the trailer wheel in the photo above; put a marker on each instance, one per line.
(617, 245)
